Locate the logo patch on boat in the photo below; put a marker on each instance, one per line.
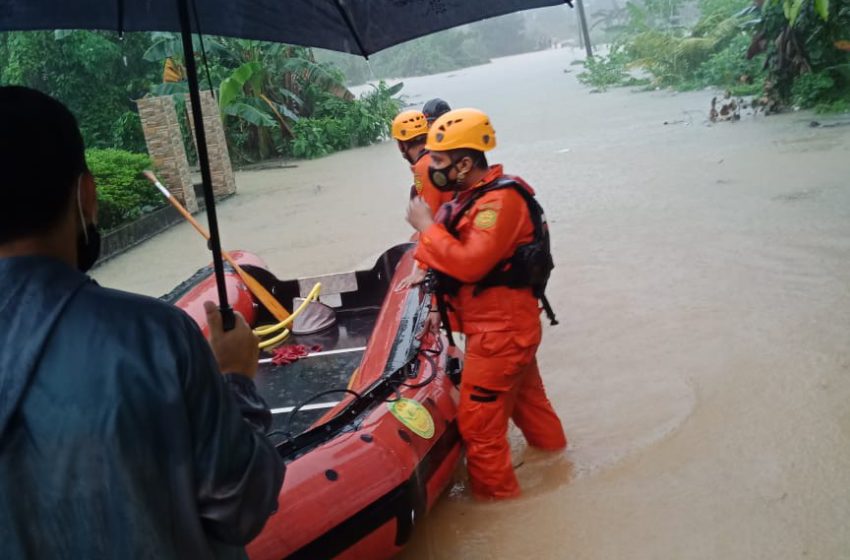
(414, 416)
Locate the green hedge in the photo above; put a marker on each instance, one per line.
(123, 194)
(338, 124)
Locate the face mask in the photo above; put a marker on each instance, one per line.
(88, 240)
(440, 178)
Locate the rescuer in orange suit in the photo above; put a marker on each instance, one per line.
(410, 129)
(466, 246)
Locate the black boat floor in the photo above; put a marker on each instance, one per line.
(287, 386)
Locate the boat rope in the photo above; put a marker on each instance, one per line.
(311, 297)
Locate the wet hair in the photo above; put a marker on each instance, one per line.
(41, 155)
(479, 160)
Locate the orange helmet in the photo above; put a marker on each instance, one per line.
(462, 128)
(409, 124)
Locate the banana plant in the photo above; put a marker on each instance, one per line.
(169, 45)
(263, 88)
(239, 93)
(804, 41)
(792, 9)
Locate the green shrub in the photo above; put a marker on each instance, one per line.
(602, 72)
(123, 194)
(317, 137)
(338, 124)
(656, 52)
(127, 132)
(836, 106)
(711, 53)
(811, 88)
(730, 69)
(715, 11)
(680, 62)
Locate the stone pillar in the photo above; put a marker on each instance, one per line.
(165, 146)
(224, 183)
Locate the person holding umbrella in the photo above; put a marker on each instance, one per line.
(123, 433)
(489, 249)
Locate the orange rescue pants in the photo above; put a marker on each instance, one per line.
(501, 381)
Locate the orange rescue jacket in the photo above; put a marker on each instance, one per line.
(423, 187)
(490, 232)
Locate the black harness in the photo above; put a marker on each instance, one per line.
(529, 266)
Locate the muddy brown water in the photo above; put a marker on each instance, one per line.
(701, 367)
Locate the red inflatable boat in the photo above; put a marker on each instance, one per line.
(365, 423)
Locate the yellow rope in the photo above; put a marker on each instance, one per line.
(312, 296)
(282, 326)
(276, 340)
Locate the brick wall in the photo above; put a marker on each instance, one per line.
(165, 146)
(224, 184)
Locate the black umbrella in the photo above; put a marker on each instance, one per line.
(354, 26)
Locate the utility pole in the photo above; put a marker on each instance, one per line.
(584, 31)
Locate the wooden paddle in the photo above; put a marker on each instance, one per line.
(267, 299)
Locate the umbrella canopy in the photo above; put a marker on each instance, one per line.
(359, 27)
(355, 26)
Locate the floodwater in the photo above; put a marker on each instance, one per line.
(702, 364)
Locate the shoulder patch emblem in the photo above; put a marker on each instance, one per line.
(417, 183)
(485, 219)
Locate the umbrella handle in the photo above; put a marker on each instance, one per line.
(228, 318)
